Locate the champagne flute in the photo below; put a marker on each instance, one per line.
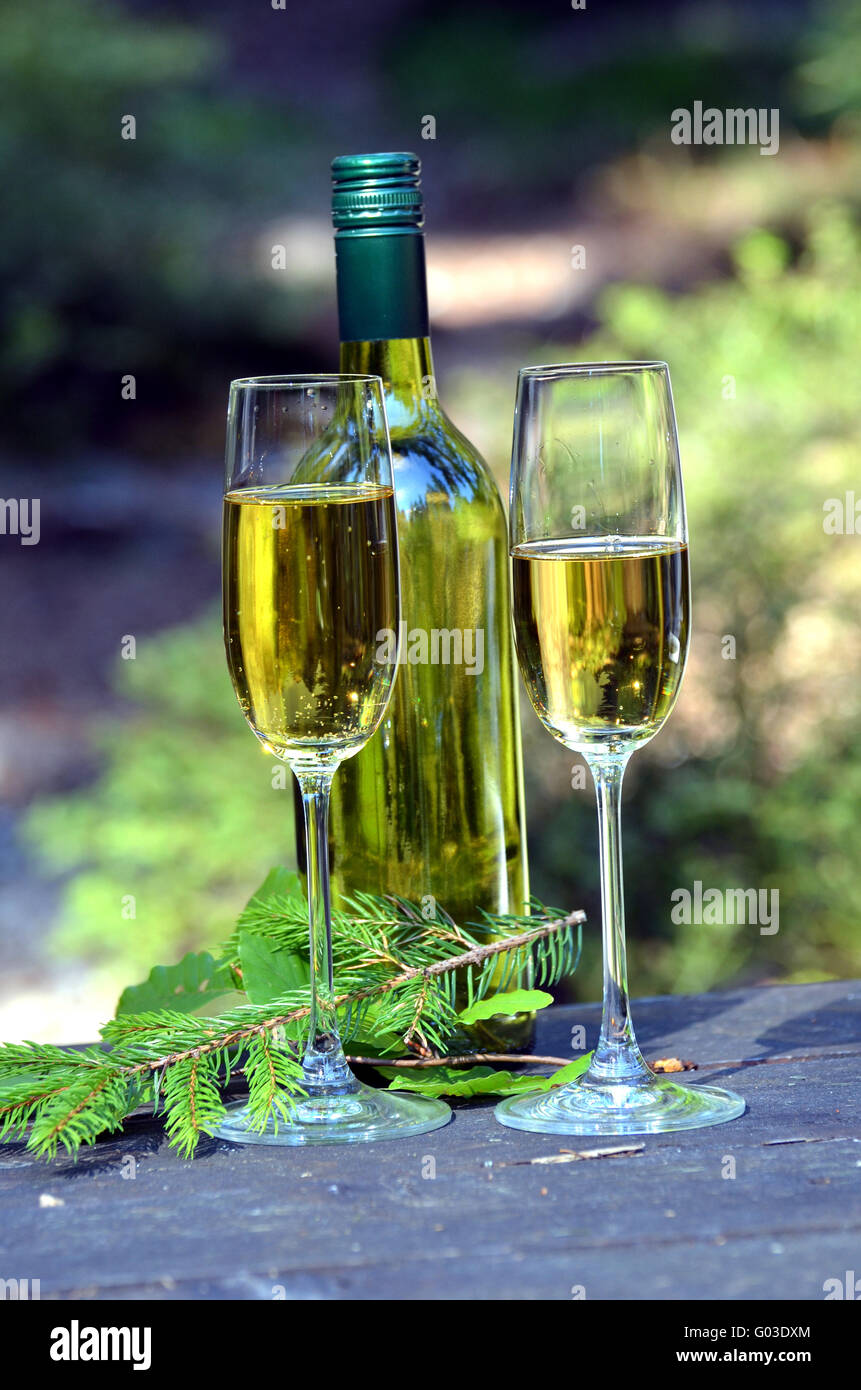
(311, 617)
(599, 552)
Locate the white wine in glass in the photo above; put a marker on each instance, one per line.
(305, 671)
(311, 587)
(599, 554)
(602, 629)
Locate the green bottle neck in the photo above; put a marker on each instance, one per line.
(382, 309)
(406, 367)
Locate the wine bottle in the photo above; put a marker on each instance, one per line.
(432, 808)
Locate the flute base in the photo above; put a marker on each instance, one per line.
(362, 1116)
(649, 1105)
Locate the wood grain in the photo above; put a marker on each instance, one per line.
(369, 1222)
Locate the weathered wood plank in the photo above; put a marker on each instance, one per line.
(372, 1222)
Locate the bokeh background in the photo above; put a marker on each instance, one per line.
(137, 778)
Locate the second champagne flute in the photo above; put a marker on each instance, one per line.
(311, 609)
(599, 549)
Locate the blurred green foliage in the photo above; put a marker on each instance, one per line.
(184, 820)
(828, 82)
(557, 117)
(113, 251)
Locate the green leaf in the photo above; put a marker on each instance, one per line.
(268, 972)
(478, 1081)
(278, 883)
(569, 1072)
(514, 1001)
(193, 983)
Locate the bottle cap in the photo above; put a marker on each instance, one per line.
(376, 192)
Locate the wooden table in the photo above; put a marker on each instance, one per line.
(371, 1221)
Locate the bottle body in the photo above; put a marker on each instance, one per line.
(431, 809)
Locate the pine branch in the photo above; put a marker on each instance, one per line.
(79, 1113)
(192, 1100)
(248, 1022)
(478, 954)
(399, 973)
(273, 1080)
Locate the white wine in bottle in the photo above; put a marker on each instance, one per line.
(432, 807)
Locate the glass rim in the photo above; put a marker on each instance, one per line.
(302, 380)
(549, 370)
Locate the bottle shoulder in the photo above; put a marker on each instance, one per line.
(432, 457)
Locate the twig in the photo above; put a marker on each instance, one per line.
(810, 1139)
(575, 1155)
(468, 1059)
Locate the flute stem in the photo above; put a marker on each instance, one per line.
(617, 1057)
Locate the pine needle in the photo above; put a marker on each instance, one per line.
(396, 988)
